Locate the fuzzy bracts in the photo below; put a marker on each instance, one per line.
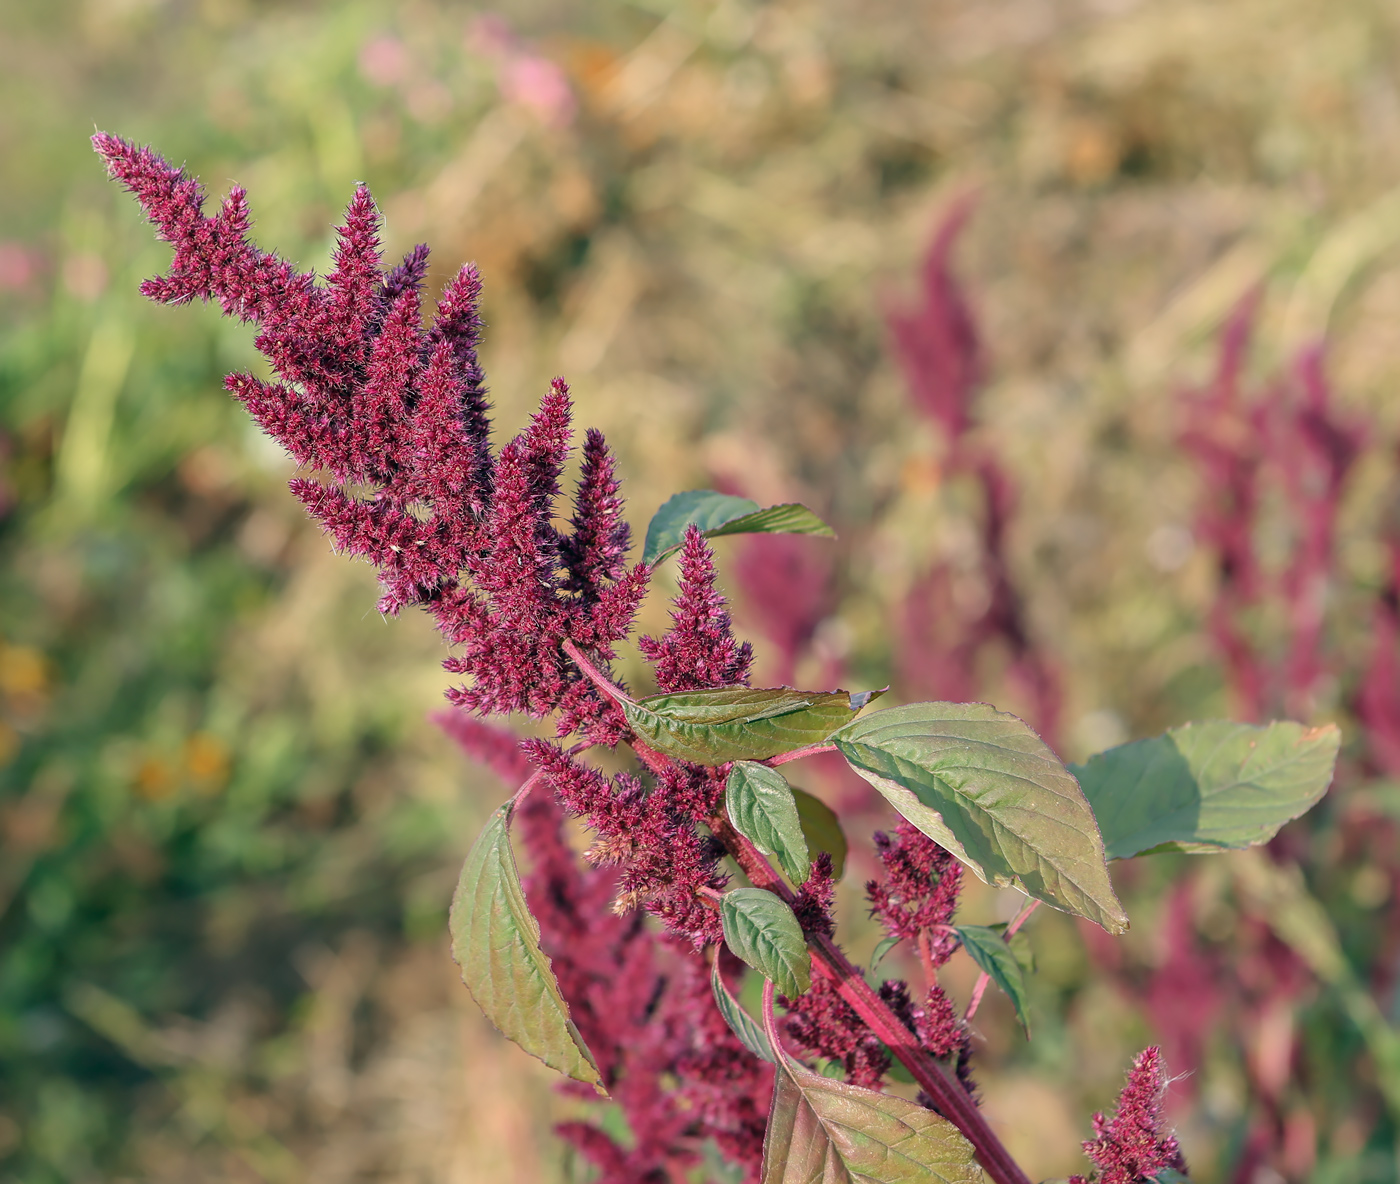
(915, 902)
(699, 651)
(669, 1061)
(649, 834)
(1132, 1145)
(919, 893)
(392, 413)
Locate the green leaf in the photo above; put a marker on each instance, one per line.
(496, 942)
(762, 807)
(827, 1132)
(740, 723)
(1212, 786)
(885, 946)
(719, 514)
(822, 829)
(1171, 1176)
(749, 1031)
(763, 931)
(995, 957)
(981, 784)
(788, 518)
(704, 507)
(1020, 946)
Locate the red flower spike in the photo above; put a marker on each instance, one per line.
(920, 891)
(822, 1023)
(364, 393)
(595, 554)
(643, 1005)
(1132, 1146)
(699, 650)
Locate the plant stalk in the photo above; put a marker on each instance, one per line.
(797, 754)
(948, 1094)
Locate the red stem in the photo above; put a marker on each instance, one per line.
(797, 754)
(594, 675)
(951, 1100)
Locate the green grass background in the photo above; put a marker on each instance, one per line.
(227, 832)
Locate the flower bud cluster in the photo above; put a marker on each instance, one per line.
(391, 413)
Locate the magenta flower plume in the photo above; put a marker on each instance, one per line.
(788, 592)
(699, 650)
(915, 901)
(937, 341)
(1132, 1146)
(945, 637)
(823, 1024)
(669, 1061)
(650, 834)
(920, 890)
(595, 553)
(370, 397)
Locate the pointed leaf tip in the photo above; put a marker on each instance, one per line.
(748, 1030)
(885, 945)
(496, 943)
(994, 956)
(985, 787)
(861, 699)
(763, 931)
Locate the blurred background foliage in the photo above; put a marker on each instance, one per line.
(228, 833)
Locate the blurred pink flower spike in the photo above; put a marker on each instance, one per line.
(539, 85)
(17, 266)
(384, 60)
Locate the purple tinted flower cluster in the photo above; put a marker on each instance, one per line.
(813, 903)
(393, 413)
(821, 1021)
(950, 619)
(699, 651)
(787, 592)
(915, 902)
(1291, 432)
(667, 1058)
(937, 341)
(1132, 1146)
(649, 834)
(652, 833)
(824, 1024)
(919, 893)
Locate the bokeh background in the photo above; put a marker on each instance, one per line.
(228, 830)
